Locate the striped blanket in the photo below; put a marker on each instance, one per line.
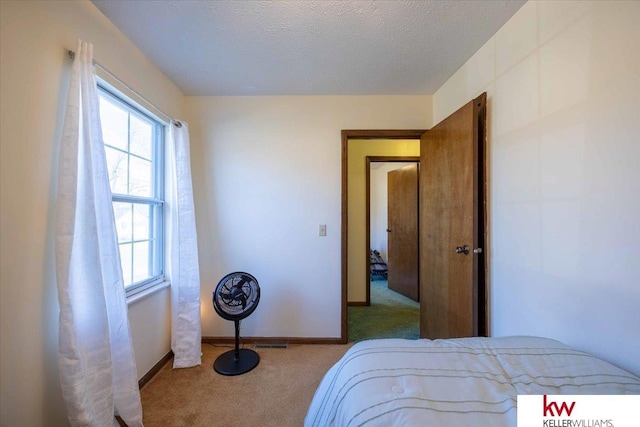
(456, 382)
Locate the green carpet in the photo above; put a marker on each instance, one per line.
(390, 315)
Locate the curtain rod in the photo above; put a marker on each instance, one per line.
(177, 123)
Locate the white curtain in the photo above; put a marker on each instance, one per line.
(183, 268)
(96, 361)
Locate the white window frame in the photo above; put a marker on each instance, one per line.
(141, 288)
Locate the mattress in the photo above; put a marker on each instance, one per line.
(455, 382)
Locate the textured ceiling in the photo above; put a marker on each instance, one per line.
(309, 47)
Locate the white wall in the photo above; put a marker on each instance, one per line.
(563, 83)
(267, 172)
(33, 88)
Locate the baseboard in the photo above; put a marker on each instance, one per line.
(156, 368)
(357, 304)
(273, 340)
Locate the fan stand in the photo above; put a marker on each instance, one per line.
(238, 361)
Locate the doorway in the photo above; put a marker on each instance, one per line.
(359, 252)
(391, 309)
(386, 201)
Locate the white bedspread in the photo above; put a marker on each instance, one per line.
(456, 382)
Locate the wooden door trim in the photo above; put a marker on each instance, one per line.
(346, 135)
(369, 159)
(483, 215)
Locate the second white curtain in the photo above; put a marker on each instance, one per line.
(183, 267)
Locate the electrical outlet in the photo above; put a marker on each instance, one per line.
(322, 230)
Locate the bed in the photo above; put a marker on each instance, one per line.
(454, 382)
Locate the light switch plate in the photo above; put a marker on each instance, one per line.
(322, 230)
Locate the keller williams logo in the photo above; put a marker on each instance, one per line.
(578, 410)
(548, 408)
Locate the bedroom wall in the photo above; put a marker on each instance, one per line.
(358, 150)
(267, 172)
(33, 88)
(564, 120)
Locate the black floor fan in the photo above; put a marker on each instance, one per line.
(236, 297)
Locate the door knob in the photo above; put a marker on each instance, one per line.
(477, 251)
(462, 250)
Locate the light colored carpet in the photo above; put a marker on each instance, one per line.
(276, 393)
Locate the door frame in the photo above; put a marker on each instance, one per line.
(346, 135)
(369, 160)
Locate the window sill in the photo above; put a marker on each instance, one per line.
(143, 293)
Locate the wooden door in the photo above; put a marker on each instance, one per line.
(402, 231)
(452, 227)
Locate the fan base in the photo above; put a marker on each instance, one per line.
(228, 364)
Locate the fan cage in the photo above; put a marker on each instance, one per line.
(236, 296)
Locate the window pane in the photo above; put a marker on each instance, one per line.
(140, 177)
(141, 134)
(140, 261)
(133, 147)
(124, 221)
(118, 170)
(141, 223)
(115, 122)
(125, 260)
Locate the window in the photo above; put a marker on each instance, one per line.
(134, 144)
